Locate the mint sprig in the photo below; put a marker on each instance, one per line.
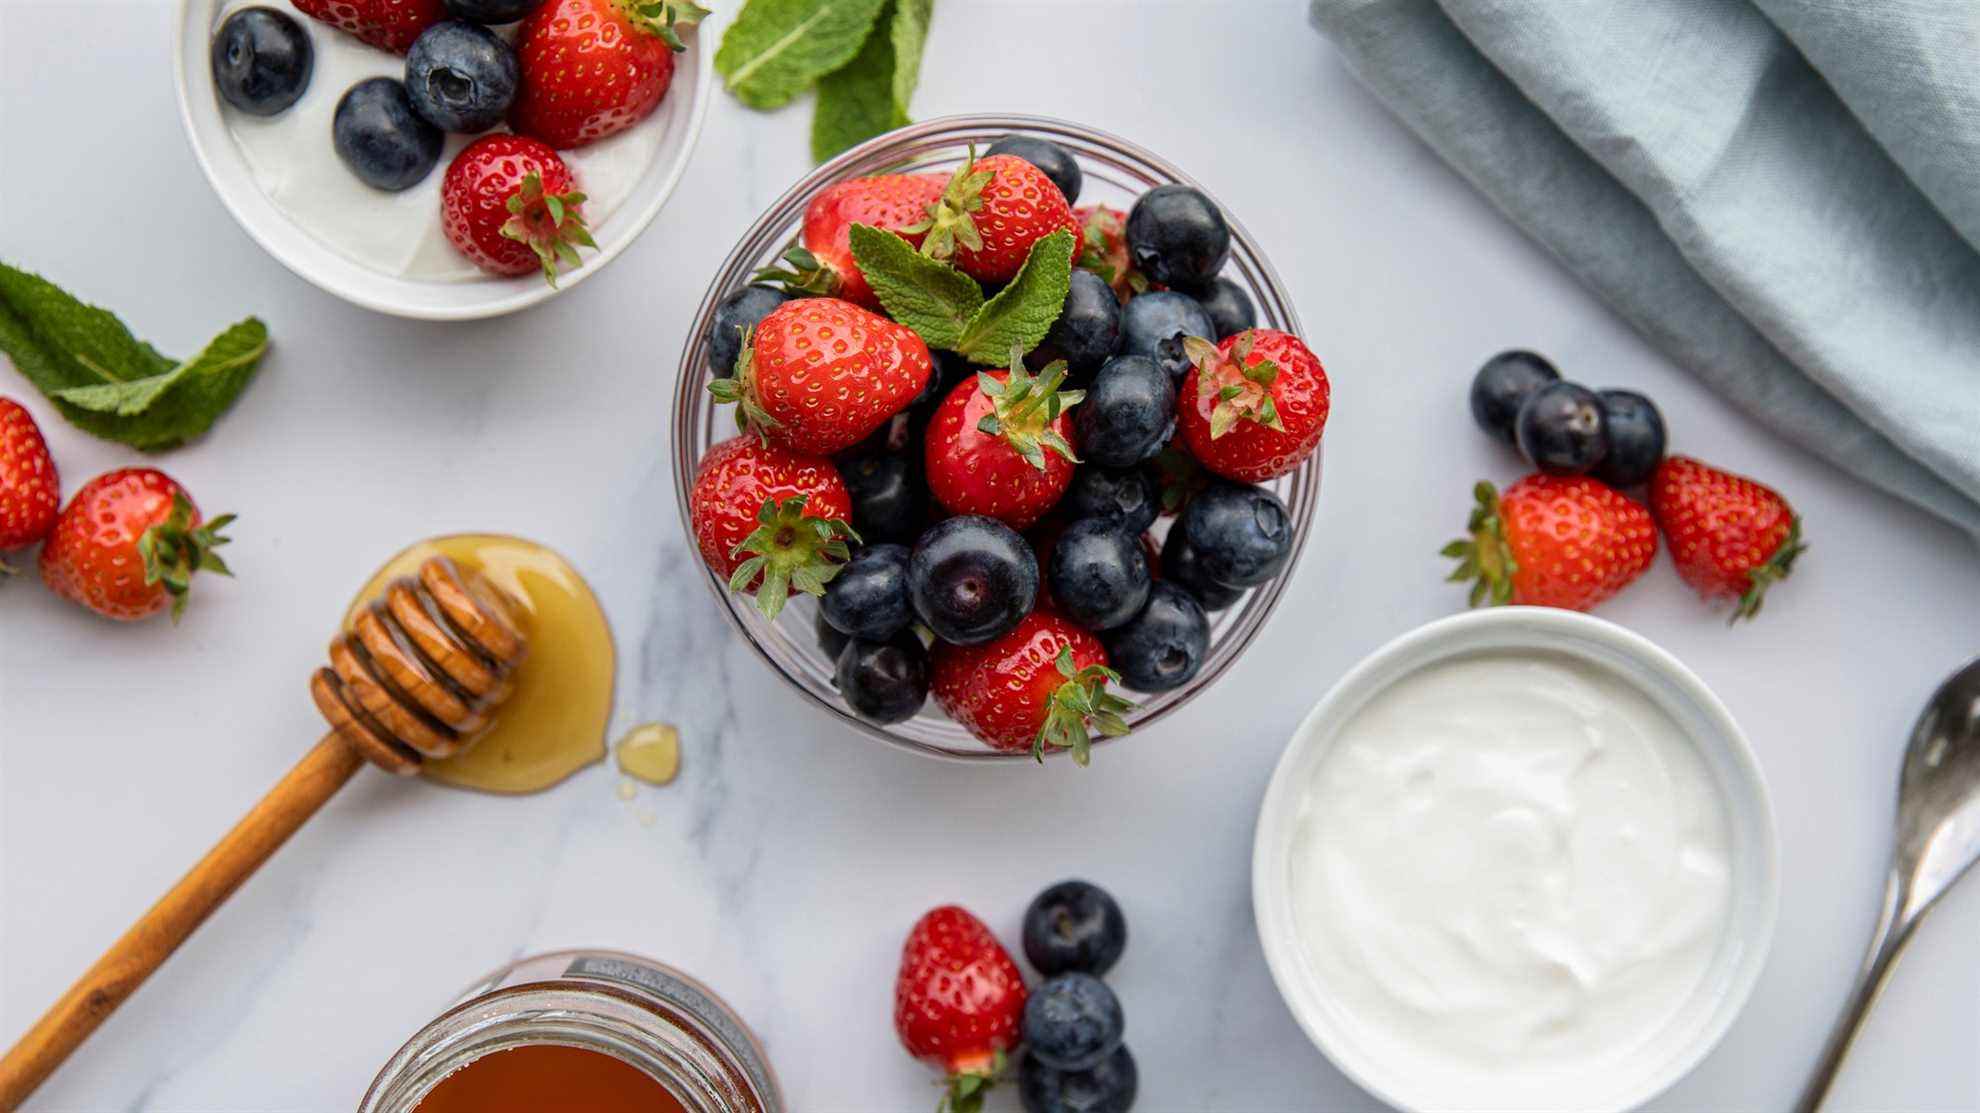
(776, 49)
(946, 307)
(1023, 312)
(869, 95)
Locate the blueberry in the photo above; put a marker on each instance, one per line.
(1562, 430)
(1164, 646)
(829, 640)
(1074, 926)
(1154, 324)
(261, 61)
(744, 309)
(379, 136)
(1229, 307)
(1503, 385)
(1107, 1088)
(883, 681)
(491, 12)
(1072, 1022)
(1089, 325)
(1636, 439)
(1047, 156)
(869, 598)
(461, 76)
(1099, 574)
(889, 500)
(972, 579)
(1129, 413)
(1179, 564)
(1177, 237)
(1126, 497)
(1241, 535)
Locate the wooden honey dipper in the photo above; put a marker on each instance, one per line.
(415, 677)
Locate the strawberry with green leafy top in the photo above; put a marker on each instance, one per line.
(593, 68)
(1000, 444)
(1552, 541)
(990, 213)
(1253, 407)
(1042, 686)
(1104, 229)
(822, 262)
(958, 1003)
(128, 544)
(819, 374)
(510, 205)
(1731, 537)
(770, 520)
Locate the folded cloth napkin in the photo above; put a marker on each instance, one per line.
(1783, 195)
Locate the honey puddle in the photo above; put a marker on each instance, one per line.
(554, 723)
(651, 752)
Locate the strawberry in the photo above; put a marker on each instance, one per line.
(510, 204)
(593, 68)
(1553, 541)
(819, 374)
(1042, 685)
(128, 544)
(958, 1002)
(770, 519)
(1731, 537)
(386, 24)
(1253, 407)
(30, 489)
(1103, 229)
(990, 213)
(822, 261)
(1000, 445)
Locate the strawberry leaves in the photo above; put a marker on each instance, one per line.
(1485, 558)
(740, 389)
(946, 307)
(174, 549)
(550, 224)
(791, 550)
(664, 17)
(1077, 707)
(1024, 407)
(1243, 391)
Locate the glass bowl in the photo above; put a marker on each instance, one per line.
(1116, 171)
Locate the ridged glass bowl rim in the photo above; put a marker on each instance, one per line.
(698, 423)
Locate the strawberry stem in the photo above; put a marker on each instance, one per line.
(1245, 397)
(1023, 408)
(740, 389)
(661, 17)
(791, 550)
(174, 549)
(1485, 558)
(1775, 569)
(801, 273)
(963, 1091)
(1077, 707)
(550, 224)
(950, 221)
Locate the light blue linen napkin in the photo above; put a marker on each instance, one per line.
(1773, 191)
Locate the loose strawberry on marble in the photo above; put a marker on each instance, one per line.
(1552, 541)
(819, 374)
(1000, 444)
(593, 68)
(1731, 537)
(128, 544)
(30, 487)
(822, 261)
(510, 204)
(1042, 686)
(958, 1003)
(770, 520)
(386, 24)
(990, 213)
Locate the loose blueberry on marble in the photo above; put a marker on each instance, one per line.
(1072, 1022)
(1129, 413)
(1229, 307)
(1241, 534)
(869, 597)
(261, 61)
(461, 76)
(1177, 237)
(381, 139)
(1074, 926)
(1503, 385)
(889, 500)
(972, 579)
(1099, 574)
(744, 309)
(1162, 647)
(1153, 325)
(883, 681)
(1562, 430)
(1636, 438)
(1179, 564)
(1126, 496)
(1047, 156)
(1089, 326)
(491, 12)
(1107, 1088)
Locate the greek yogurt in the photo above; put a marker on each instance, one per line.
(1510, 872)
(292, 160)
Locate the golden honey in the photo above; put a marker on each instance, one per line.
(541, 1078)
(650, 752)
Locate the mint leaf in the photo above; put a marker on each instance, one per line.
(856, 101)
(909, 32)
(111, 384)
(777, 48)
(934, 299)
(1022, 312)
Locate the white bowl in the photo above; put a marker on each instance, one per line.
(1755, 867)
(681, 115)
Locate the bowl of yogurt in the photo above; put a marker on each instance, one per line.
(283, 182)
(1516, 859)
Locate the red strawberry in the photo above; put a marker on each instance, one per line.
(1253, 407)
(593, 68)
(510, 204)
(958, 1002)
(1553, 541)
(1105, 253)
(819, 374)
(990, 213)
(1000, 444)
(1042, 685)
(128, 543)
(1731, 537)
(386, 24)
(770, 519)
(822, 263)
(30, 489)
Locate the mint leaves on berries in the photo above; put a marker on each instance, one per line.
(1023, 312)
(111, 384)
(776, 49)
(946, 307)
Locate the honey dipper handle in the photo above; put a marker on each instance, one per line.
(150, 941)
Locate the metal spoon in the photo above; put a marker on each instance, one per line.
(1938, 839)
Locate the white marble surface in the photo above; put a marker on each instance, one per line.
(787, 862)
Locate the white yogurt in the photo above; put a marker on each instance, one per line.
(1509, 872)
(294, 163)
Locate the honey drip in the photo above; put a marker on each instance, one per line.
(651, 752)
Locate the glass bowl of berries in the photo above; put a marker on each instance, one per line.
(1028, 445)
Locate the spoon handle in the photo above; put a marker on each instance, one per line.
(1893, 929)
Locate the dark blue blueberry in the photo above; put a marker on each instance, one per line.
(1099, 574)
(1047, 156)
(1177, 237)
(1074, 926)
(1072, 1022)
(1503, 385)
(889, 499)
(1562, 430)
(830, 641)
(262, 60)
(379, 136)
(1089, 326)
(972, 579)
(744, 309)
(1241, 534)
(1129, 413)
(1164, 646)
(1107, 1088)
(491, 12)
(1229, 307)
(1636, 439)
(869, 597)
(1180, 565)
(1125, 497)
(883, 681)
(461, 76)
(1154, 324)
